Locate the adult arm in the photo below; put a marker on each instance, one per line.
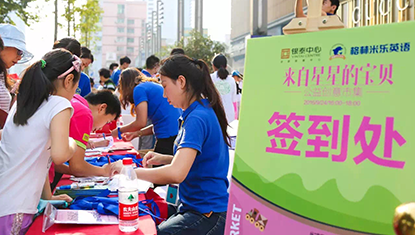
(173, 173)
(139, 122)
(148, 130)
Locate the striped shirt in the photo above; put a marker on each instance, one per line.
(5, 97)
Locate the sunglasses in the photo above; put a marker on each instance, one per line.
(19, 53)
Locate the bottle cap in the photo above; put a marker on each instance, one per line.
(127, 161)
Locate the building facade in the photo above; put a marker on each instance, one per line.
(353, 13)
(123, 24)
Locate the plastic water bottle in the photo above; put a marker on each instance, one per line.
(128, 197)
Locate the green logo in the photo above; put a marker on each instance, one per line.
(131, 198)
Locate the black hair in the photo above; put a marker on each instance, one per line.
(108, 98)
(140, 69)
(86, 54)
(335, 3)
(177, 51)
(220, 62)
(104, 73)
(199, 84)
(3, 69)
(125, 59)
(70, 44)
(38, 83)
(91, 80)
(152, 61)
(113, 65)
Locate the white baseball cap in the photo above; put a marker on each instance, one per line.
(13, 37)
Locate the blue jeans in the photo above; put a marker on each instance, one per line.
(193, 222)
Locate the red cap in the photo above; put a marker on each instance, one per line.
(127, 161)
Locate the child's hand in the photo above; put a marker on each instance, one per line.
(90, 145)
(101, 143)
(107, 170)
(63, 197)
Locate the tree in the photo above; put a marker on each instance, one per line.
(69, 15)
(20, 7)
(90, 15)
(199, 47)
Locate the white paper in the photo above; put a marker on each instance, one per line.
(101, 149)
(90, 179)
(83, 217)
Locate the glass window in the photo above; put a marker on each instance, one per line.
(120, 48)
(120, 29)
(130, 49)
(130, 40)
(120, 39)
(130, 30)
(120, 20)
(130, 21)
(121, 8)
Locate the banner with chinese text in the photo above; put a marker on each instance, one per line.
(325, 138)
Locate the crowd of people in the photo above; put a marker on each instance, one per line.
(54, 107)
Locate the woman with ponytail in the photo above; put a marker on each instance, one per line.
(225, 85)
(201, 158)
(145, 95)
(36, 132)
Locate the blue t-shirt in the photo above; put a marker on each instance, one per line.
(145, 72)
(115, 77)
(84, 86)
(163, 115)
(205, 188)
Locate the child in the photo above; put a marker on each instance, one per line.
(201, 156)
(90, 114)
(104, 76)
(36, 132)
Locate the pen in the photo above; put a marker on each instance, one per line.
(103, 136)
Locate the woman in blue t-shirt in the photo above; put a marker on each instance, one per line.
(145, 95)
(201, 158)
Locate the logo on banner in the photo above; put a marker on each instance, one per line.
(285, 53)
(338, 51)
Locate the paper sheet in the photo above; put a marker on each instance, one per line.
(83, 217)
(99, 150)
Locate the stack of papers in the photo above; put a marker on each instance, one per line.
(100, 150)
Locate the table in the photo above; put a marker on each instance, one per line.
(146, 223)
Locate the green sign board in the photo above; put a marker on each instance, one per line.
(325, 138)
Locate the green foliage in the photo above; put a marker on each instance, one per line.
(69, 15)
(20, 7)
(197, 46)
(90, 14)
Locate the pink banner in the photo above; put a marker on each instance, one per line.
(250, 215)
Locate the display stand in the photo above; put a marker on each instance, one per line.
(314, 21)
